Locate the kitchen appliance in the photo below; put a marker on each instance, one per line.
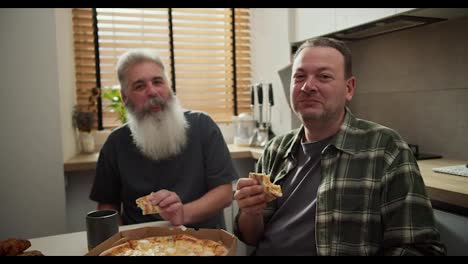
(459, 170)
(244, 129)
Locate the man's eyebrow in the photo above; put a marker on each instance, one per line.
(137, 81)
(143, 80)
(301, 70)
(320, 69)
(325, 68)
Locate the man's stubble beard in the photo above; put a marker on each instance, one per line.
(159, 135)
(325, 116)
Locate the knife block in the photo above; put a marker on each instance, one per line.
(262, 135)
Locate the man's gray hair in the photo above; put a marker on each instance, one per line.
(133, 57)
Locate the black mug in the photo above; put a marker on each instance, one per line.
(100, 225)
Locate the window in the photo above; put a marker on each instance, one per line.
(206, 53)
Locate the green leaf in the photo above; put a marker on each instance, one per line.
(116, 103)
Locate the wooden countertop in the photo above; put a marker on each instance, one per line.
(450, 189)
(445, 188)
(83, 162)
(238, 152)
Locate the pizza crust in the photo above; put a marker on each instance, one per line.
(271, 190)
(172, 245)
(146, 206)
(13, 246)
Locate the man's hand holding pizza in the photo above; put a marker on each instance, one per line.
(250, 196)
(171, 206)
(254, 192)
(164, 202)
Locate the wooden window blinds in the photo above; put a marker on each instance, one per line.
(208, 61)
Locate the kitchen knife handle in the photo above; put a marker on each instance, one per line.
(252, 95)
(260, 93)
(270, 94)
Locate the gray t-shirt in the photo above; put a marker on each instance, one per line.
(123, 173)
(291, 229)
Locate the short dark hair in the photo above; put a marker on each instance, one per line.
(332, 43)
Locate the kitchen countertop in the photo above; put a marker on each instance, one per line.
(447, 189)
(83, 162)
(452, 190)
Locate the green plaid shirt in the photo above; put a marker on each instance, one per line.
(371, 199)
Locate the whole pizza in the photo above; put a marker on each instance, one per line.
(172, 245)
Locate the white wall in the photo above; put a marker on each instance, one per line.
(312, 22)
(66, 78)
(32, 192)
(270, 52)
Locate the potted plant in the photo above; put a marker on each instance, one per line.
(84, 119)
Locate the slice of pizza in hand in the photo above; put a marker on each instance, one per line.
(271, 190)
(146, 206)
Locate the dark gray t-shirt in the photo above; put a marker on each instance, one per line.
(123, 173)
(291, 229)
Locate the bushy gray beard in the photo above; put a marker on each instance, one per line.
(159, 135)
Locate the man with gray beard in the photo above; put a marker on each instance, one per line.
(177, 155)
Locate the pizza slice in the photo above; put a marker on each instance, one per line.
(271, 190)
(188, 245)
(124, 249)
(13, 246)
(164, 246)
(146, 206)
(213, 248)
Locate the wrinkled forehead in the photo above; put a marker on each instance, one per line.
(319, 56)
(146, 69)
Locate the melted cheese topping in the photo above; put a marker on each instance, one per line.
(177, 245)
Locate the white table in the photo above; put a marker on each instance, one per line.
(75, 244)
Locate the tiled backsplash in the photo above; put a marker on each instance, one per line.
(415, 81)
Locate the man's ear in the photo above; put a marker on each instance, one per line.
(124, 96)
(350, 87)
